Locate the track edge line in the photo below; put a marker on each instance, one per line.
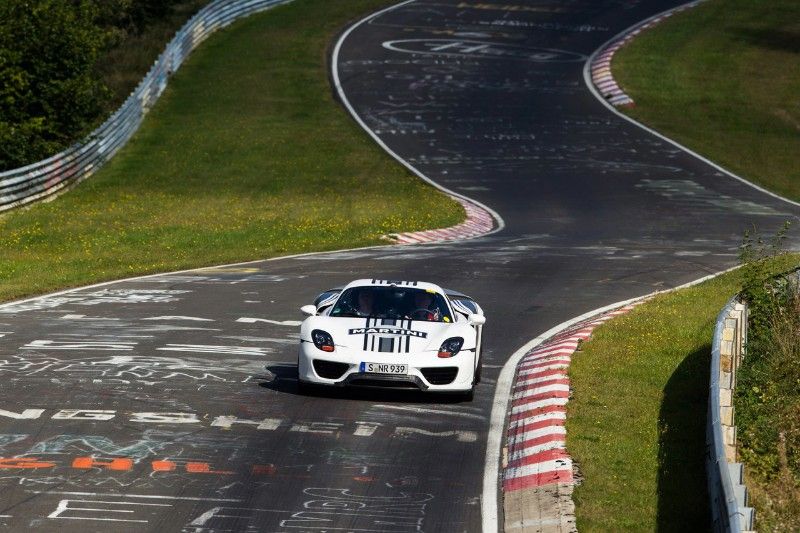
(502, 399)
(587, 78)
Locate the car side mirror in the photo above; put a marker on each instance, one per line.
(309, 310)
(477, 320)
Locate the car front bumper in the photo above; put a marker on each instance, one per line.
(426, 371)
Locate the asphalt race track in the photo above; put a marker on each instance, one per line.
(169, 403)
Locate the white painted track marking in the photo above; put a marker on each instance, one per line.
(346, 102)
(428, 411)
(136, 496)
(504, 383)
(249, 320)
(502, 398)
(190, 318)
(587, 78)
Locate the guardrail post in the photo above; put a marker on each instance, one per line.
(726, 487)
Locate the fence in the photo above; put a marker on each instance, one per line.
(725, 476)
(42, 179)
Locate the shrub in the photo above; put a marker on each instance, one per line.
(768, 387)
(50, 95)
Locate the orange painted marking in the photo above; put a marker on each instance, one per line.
(163, 466)
(204, 468)
(121, 463)
(267, 470)
(24, 462)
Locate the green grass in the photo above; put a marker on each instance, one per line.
(723, 79)
(246, 156)
(636, 423)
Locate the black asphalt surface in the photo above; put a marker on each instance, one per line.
(486, 98)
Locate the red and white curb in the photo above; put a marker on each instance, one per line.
(479, 222)
(600, 68)
(535, 450)
(481, 219)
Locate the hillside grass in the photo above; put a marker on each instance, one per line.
(723, 78)
(636, 422)
(245, 156)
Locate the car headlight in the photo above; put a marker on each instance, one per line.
(450, 347)
(322, 340)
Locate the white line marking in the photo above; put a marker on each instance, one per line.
(68, 317)
(82, 346)
(427, 411)
(248, 320)
(494, 441)
(530, 371)
(522, 453)
(523, 383)
(139, 496)
(540, 390)
(549, 402)
(545, 359)
(491, 471)
(461, 436)
(63, 506)
(192, 318)
(521, 438)
(215, 349)
(343, 97)
(522, 422)
(587, 78)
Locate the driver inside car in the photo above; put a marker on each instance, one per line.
(425, 307)
(365, 301)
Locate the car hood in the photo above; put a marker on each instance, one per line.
(383, 335)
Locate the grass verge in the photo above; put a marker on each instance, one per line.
(636, 423)
(723, 79)
(245, 156)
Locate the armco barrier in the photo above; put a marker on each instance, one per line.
(40, 180)
(725, 476)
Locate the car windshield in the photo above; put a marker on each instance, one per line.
(397, 303)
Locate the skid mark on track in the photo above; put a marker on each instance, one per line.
(105, 296)
(691, 194)
(426, 411)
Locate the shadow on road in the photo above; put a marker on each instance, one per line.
(285, 382)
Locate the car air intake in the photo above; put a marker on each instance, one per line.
(330, 369)
(440, 375)
(384, 383)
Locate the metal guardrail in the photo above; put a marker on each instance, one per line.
(42, 179)
(725, 476)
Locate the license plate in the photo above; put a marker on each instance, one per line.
(384, 368)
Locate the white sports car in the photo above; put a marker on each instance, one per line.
(384, 333)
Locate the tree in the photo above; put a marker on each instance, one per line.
(49, 94)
